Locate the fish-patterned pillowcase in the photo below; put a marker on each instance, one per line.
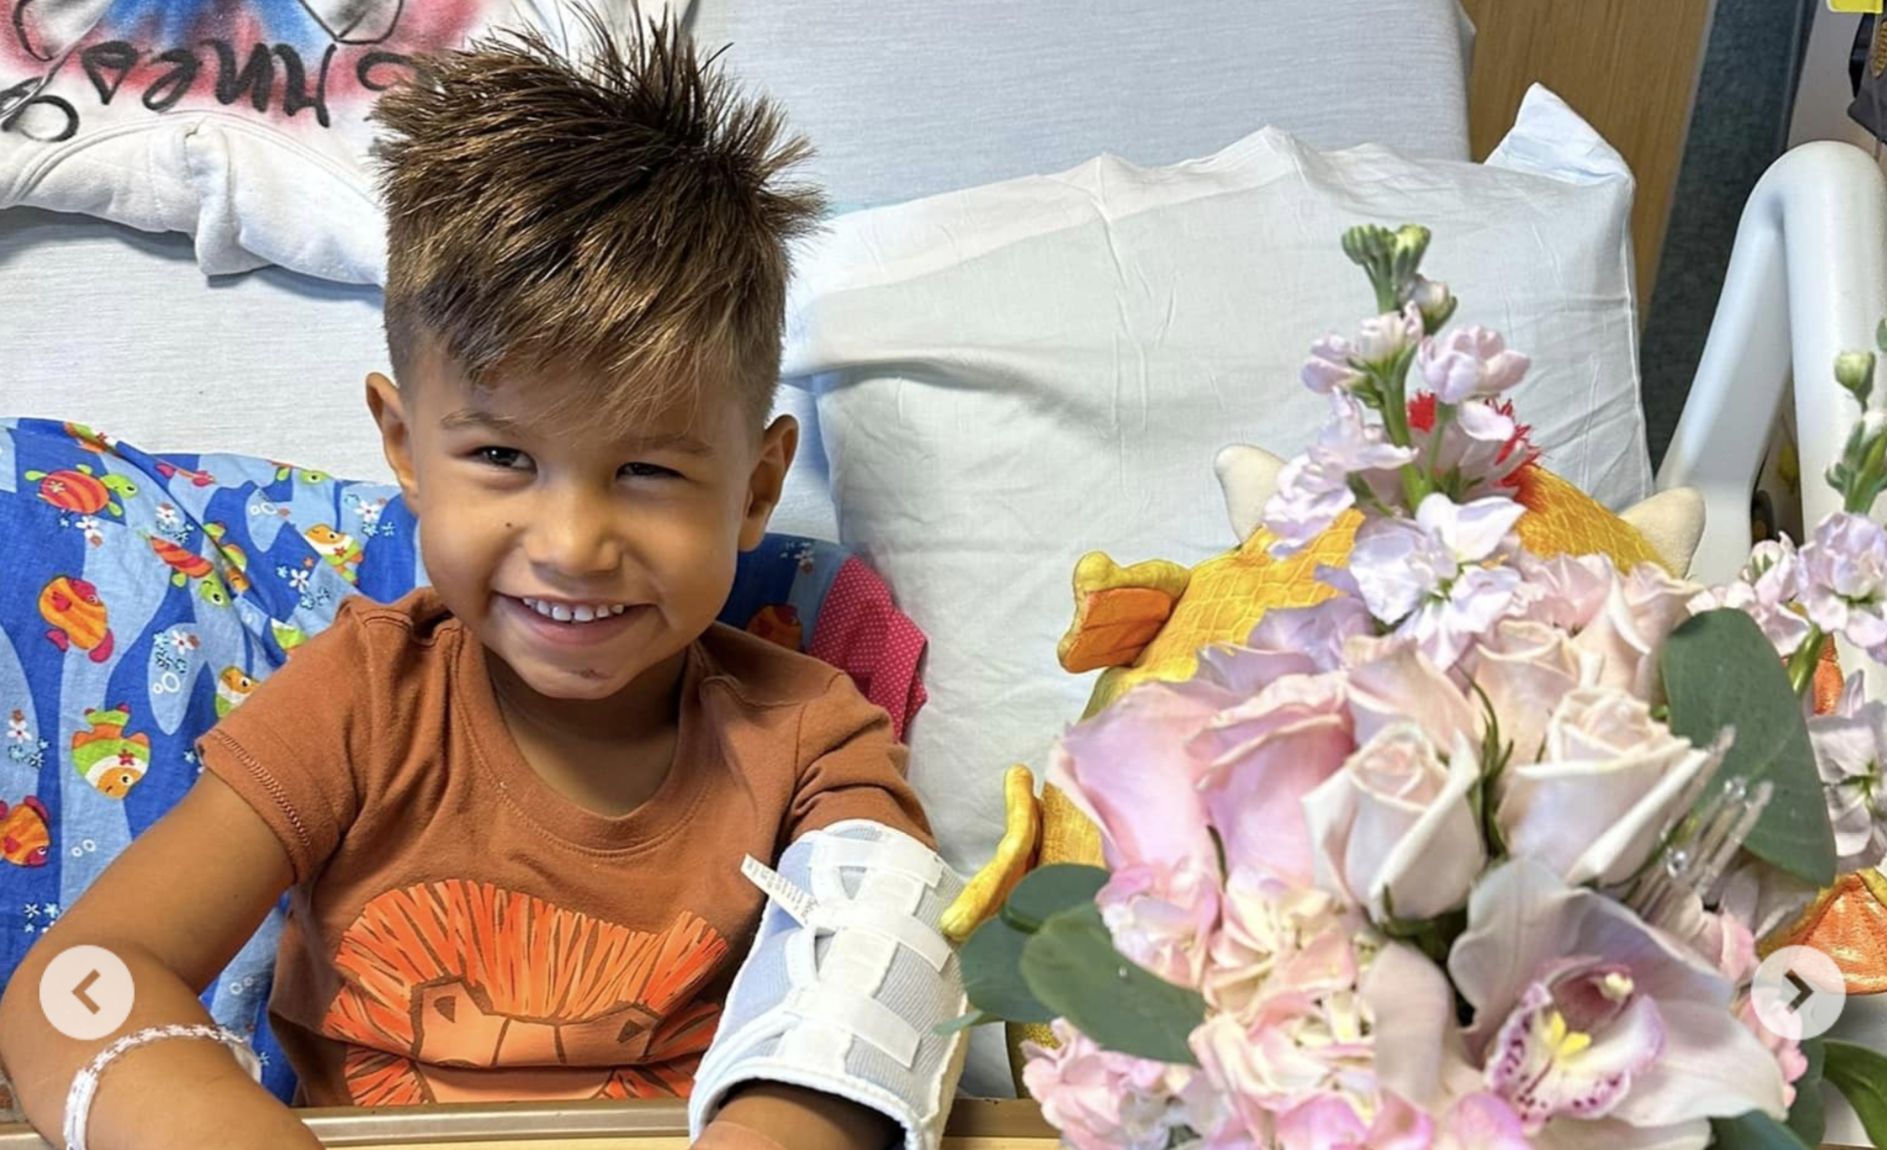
(145, 596)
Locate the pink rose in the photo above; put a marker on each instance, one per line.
(1639, 612)
(1394, 831)
(1393, 683)
(1266, 754)
(1565, 591)
(1610, 781)
(1134, 771)
(1525, 668)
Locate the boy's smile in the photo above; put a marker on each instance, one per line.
(581, 555)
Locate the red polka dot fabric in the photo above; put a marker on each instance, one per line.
(861, 631)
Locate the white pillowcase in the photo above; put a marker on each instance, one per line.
(1011, 376)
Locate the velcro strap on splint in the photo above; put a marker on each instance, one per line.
(832, 917)
(897, 856)
(870, 1020)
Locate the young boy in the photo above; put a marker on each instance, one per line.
(512, 809)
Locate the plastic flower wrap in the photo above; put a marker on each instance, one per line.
(1475, 853)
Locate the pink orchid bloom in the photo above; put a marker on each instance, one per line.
(1482, 1122)
(1583, 1015)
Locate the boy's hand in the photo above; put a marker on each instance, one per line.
(793, 1118)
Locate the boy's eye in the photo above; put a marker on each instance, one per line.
(509, 458)
(646, 471)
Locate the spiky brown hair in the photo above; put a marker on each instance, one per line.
(622, 213)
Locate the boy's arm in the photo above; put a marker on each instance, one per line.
(833, 1016)
(175, 907)
(773, 1116)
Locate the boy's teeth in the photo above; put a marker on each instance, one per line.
(579, 613)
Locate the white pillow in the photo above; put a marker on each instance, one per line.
(1011, 376)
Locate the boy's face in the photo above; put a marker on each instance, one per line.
(580, 555)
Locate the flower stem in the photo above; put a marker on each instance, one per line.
(1807, 657)
(1864, 485)
(1443, 413)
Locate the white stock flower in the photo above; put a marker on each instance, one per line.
(1387, 336)
(1329, 368)
(1850, 747)
(1844, 580)
(1314, 488)
(1469, 362)
(1425, 575)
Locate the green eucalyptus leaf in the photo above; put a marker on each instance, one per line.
(1808, 1118)
(1753, 1131)
(991, 962)
(1861, 1076)
(1074, 970)
(1719, 671)
(964, 1022)
(1049, 890)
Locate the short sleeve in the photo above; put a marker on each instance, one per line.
(290, 749)
(852, 767)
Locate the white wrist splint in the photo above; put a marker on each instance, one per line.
(846, 982)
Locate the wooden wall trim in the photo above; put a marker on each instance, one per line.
(1629, 67)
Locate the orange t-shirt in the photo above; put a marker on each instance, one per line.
(458, 930)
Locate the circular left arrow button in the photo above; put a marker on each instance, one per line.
(86, 992)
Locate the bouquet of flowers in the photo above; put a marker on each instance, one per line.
(1476, 852)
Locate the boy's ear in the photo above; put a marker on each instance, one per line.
(396, 435)
(777, 446)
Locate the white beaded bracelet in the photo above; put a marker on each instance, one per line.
(85, 1082)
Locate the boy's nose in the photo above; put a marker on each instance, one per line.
(574, 536)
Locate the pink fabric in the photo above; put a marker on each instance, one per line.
(861, 631)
